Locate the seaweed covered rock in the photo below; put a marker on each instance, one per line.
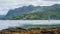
(30, 31)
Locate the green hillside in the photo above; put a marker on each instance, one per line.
(35, 13)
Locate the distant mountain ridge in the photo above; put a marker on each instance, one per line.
(20, 10)
(1, 17)
(34, 12)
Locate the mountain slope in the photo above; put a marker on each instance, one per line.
(32, 12)
(19, 11)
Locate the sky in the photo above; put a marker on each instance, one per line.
(6, 5)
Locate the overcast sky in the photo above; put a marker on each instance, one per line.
(6, 5)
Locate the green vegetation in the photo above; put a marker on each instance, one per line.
(39, 15)
(27, 26)
(35, 13)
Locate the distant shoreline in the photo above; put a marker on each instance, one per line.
(12, 23)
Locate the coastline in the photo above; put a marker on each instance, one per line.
(31, 31)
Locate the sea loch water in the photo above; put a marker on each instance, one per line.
(12, 23)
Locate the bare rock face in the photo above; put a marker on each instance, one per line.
(31, 31)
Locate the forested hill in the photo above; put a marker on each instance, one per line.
(34, 12)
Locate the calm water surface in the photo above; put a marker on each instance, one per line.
(12, 23)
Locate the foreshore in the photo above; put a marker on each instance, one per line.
(18, 30)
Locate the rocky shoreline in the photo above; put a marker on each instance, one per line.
(18, 30)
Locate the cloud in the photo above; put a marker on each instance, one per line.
(51, 0)
(6, 5)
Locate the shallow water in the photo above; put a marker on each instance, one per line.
(15, 23)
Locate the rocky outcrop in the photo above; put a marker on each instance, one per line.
(31, 31)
